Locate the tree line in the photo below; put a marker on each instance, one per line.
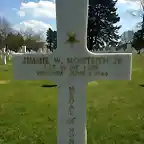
(14, 40)
(102, 31)
(138, 39)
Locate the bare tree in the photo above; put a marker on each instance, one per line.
(137, 13)
(30, 34)
(27, 33)
(31, 39)
(5, 29)
(141, 2)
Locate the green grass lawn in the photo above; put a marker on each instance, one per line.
(115, 110)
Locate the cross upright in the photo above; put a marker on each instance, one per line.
(71, 67)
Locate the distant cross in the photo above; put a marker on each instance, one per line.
(4, 55)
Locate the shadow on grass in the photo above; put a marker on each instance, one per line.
(5, 70)
(142, 85)
(48, 86)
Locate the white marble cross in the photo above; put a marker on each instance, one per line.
(71, 67)
(4, 56)
(23, 49)
(1, 54)
(40, 50)
(129, 48)
(9, 54)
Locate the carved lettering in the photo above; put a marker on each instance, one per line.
(71, 95)
(76, 71)
(71, 141)
(117, 61)
(71, 101)
(49, 73)
(71, 133)
(71, 120)
(98, 60)
(88, 60)
(87, 66)
(57, 60)
(93, 67)
(35, 60)
(72, 60)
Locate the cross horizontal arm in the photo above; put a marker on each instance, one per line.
(109, 66)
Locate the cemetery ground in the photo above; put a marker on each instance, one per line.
(115, 110)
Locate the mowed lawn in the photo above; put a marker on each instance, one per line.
(115, 110)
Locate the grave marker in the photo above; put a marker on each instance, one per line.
(24, 50)
(4, 54)
(40, 50)
(1, 54)
(72, 66)
(129, 48)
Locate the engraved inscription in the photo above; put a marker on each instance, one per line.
(71, 141)
(35, 60)
(70, 121)
(72, 66)
(71, 133)
(71, 110)
(117, 61)
(71, 95)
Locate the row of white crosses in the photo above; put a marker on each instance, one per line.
(4, 53)
(71, 67)
(23, 49)
(129, 49)
(44, 50)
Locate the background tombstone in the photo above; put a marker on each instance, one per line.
(4, 55)
(24, 50)
(129, 48)
(1, 54)
(45, 49)
(40, 50)
(9, 55)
